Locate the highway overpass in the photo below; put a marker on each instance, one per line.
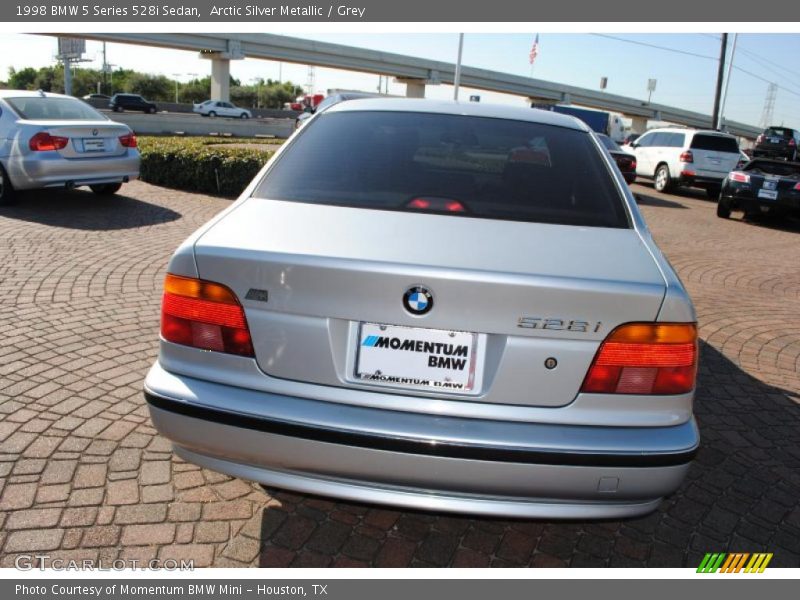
(416, 73)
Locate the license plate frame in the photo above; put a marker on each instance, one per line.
(377, 363)
(92, 145)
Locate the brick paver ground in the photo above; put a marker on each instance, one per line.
(84, 475)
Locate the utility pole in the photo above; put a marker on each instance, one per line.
(457, 77)
(720, 78)
(728, 80)
(105, 69)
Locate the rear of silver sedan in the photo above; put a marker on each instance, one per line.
(436, 306)
(50, 140)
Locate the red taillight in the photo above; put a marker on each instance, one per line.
(434, 203)
(129, 140)
(633, 165)
(792, 142)
(419, 203)
(797, 186)
(739, 177)
(454, 206)
(44, 142)
(686, 157)
(205, 315)
(645, 358)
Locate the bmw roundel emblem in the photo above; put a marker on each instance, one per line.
(418, 300)
(95, 132)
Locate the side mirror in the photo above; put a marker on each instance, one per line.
(633, 145)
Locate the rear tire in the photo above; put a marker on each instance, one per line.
(724, 208)
(243, 116)
(663, 180)
(7, 193)
(212, 114)
(106, 189)
(151, 110)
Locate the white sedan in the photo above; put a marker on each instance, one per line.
(218, 108)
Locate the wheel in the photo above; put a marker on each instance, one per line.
(117, 109)
(106, 189)
(243, 116)
(212, 114)
(663, 182)
(151, 110)
(724, 208)
(713, 192)
(7, 192)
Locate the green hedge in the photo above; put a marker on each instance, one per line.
(201, 164)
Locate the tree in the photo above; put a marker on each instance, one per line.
(153, 87)
(22, 79)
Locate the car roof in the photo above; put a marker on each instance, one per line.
(690, 130)
(31, 94)
(473, 109)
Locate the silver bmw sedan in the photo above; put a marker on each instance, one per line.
(442, 306)
(51, 140)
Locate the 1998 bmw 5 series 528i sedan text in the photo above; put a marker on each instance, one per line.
(453, 307)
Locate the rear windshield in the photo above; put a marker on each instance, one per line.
(453, 164)
(774, 168)
(779, 132)
(62, 109)
(609, 143)
(717, 143)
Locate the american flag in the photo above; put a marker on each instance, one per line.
(534, 50)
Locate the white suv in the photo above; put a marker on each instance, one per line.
(686, 157)
(218, 108)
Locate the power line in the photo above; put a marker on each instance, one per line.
(759, 58)
(665, 48)
(784, 88)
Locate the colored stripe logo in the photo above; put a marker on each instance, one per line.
(370, 340)
(735, 562)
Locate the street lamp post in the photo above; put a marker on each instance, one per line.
(176, 75)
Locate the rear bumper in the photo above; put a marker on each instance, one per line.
(778, 152)
(744, 200)
(701, 180)
(51, 170)
(421, 461)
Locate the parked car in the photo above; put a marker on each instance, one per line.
(96, 97)
(761, 186)
(777, 142)
(331, 100)
(218, 108)
(397, 312)
(51, 140)
(625, 160)
(675, 157)
(120, 102)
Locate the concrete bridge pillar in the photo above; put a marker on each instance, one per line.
(415, 88)
(638, 124)
(220, 79)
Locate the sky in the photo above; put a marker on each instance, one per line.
(684, 65)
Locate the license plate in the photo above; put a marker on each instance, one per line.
(768, 194)
(773, 140)
(94, 145)
(412, 357)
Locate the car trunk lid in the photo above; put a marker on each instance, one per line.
(309, 276)
(87, 139)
